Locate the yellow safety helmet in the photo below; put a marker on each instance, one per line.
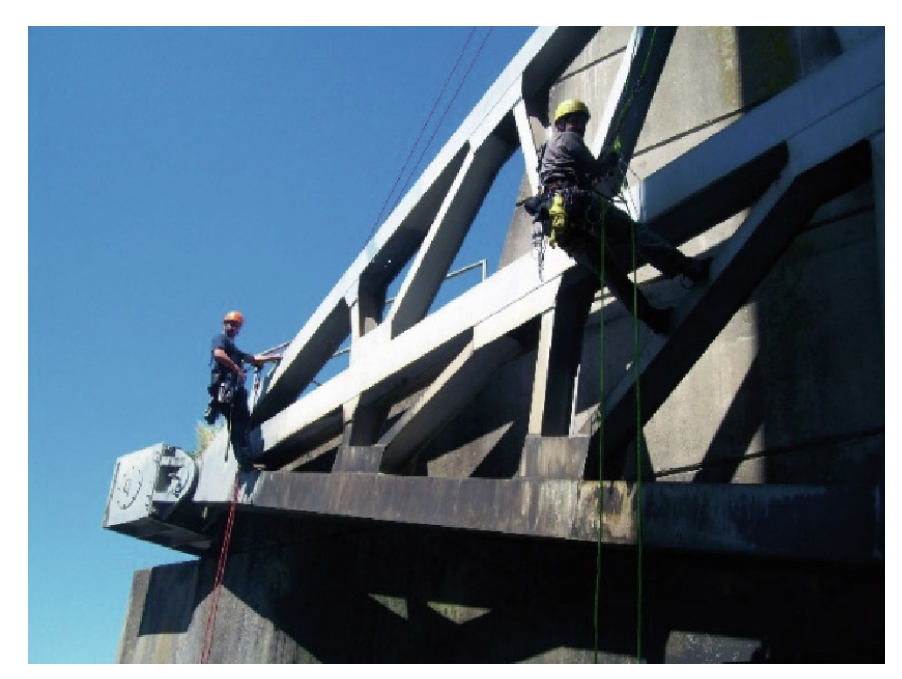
(235, 317)
(569, 106)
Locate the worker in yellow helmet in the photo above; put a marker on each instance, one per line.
(228, 395)
(568, 172)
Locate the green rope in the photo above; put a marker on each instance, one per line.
(632, 91)
(600, 431)
(617, 146)
(638, 439)
(639, 551)
(638, 447)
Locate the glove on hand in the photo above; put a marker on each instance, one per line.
(611, 160)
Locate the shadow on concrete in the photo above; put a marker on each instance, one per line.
(496, 408)
(169, 597)
(400, 594)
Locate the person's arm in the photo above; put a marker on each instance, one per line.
(223, 359)
(586, 163)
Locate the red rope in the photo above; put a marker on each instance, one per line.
(217, 585)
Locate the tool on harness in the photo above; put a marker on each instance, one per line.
(222, 388)
(550, 220)
(557, 210)
(221, 394)
(559, 214)
(538, 244)
(536, 208)
(225, 392)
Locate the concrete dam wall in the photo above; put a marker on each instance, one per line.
(478, 495)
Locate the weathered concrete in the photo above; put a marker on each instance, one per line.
(760, 517)
(776, 520)
(389, 594)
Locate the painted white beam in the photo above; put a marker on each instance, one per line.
(514, 293)
(544, 53)
(456, 386)
(435, 257)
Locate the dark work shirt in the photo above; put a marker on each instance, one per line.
(224, 342)
(568, 161)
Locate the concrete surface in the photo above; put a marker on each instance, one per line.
(440, 504)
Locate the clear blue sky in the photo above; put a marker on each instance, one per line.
(174, 174)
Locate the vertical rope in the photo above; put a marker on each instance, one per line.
(600, 433)
(634, 87)
(207, 644)
(638, 446)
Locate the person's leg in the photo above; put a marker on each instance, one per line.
(586, 251)
(616, 278)
(212, 410)
(657, 250)
(238, 428)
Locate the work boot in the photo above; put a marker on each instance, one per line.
(244, 464)
(244, 456)
(658, 320)
(698, 269)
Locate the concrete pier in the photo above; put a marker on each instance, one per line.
(471, 489)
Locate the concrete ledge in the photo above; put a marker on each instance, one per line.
(823, 523)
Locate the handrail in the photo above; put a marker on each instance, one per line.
(275, 348)
(468, 267)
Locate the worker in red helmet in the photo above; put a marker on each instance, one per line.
(568, 172)
(228, 395)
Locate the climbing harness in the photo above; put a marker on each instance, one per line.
(555, 212)
(207, 645)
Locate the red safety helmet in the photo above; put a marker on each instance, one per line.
(235, 317)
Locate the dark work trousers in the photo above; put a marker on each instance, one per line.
(237, 416)
(584, 245)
